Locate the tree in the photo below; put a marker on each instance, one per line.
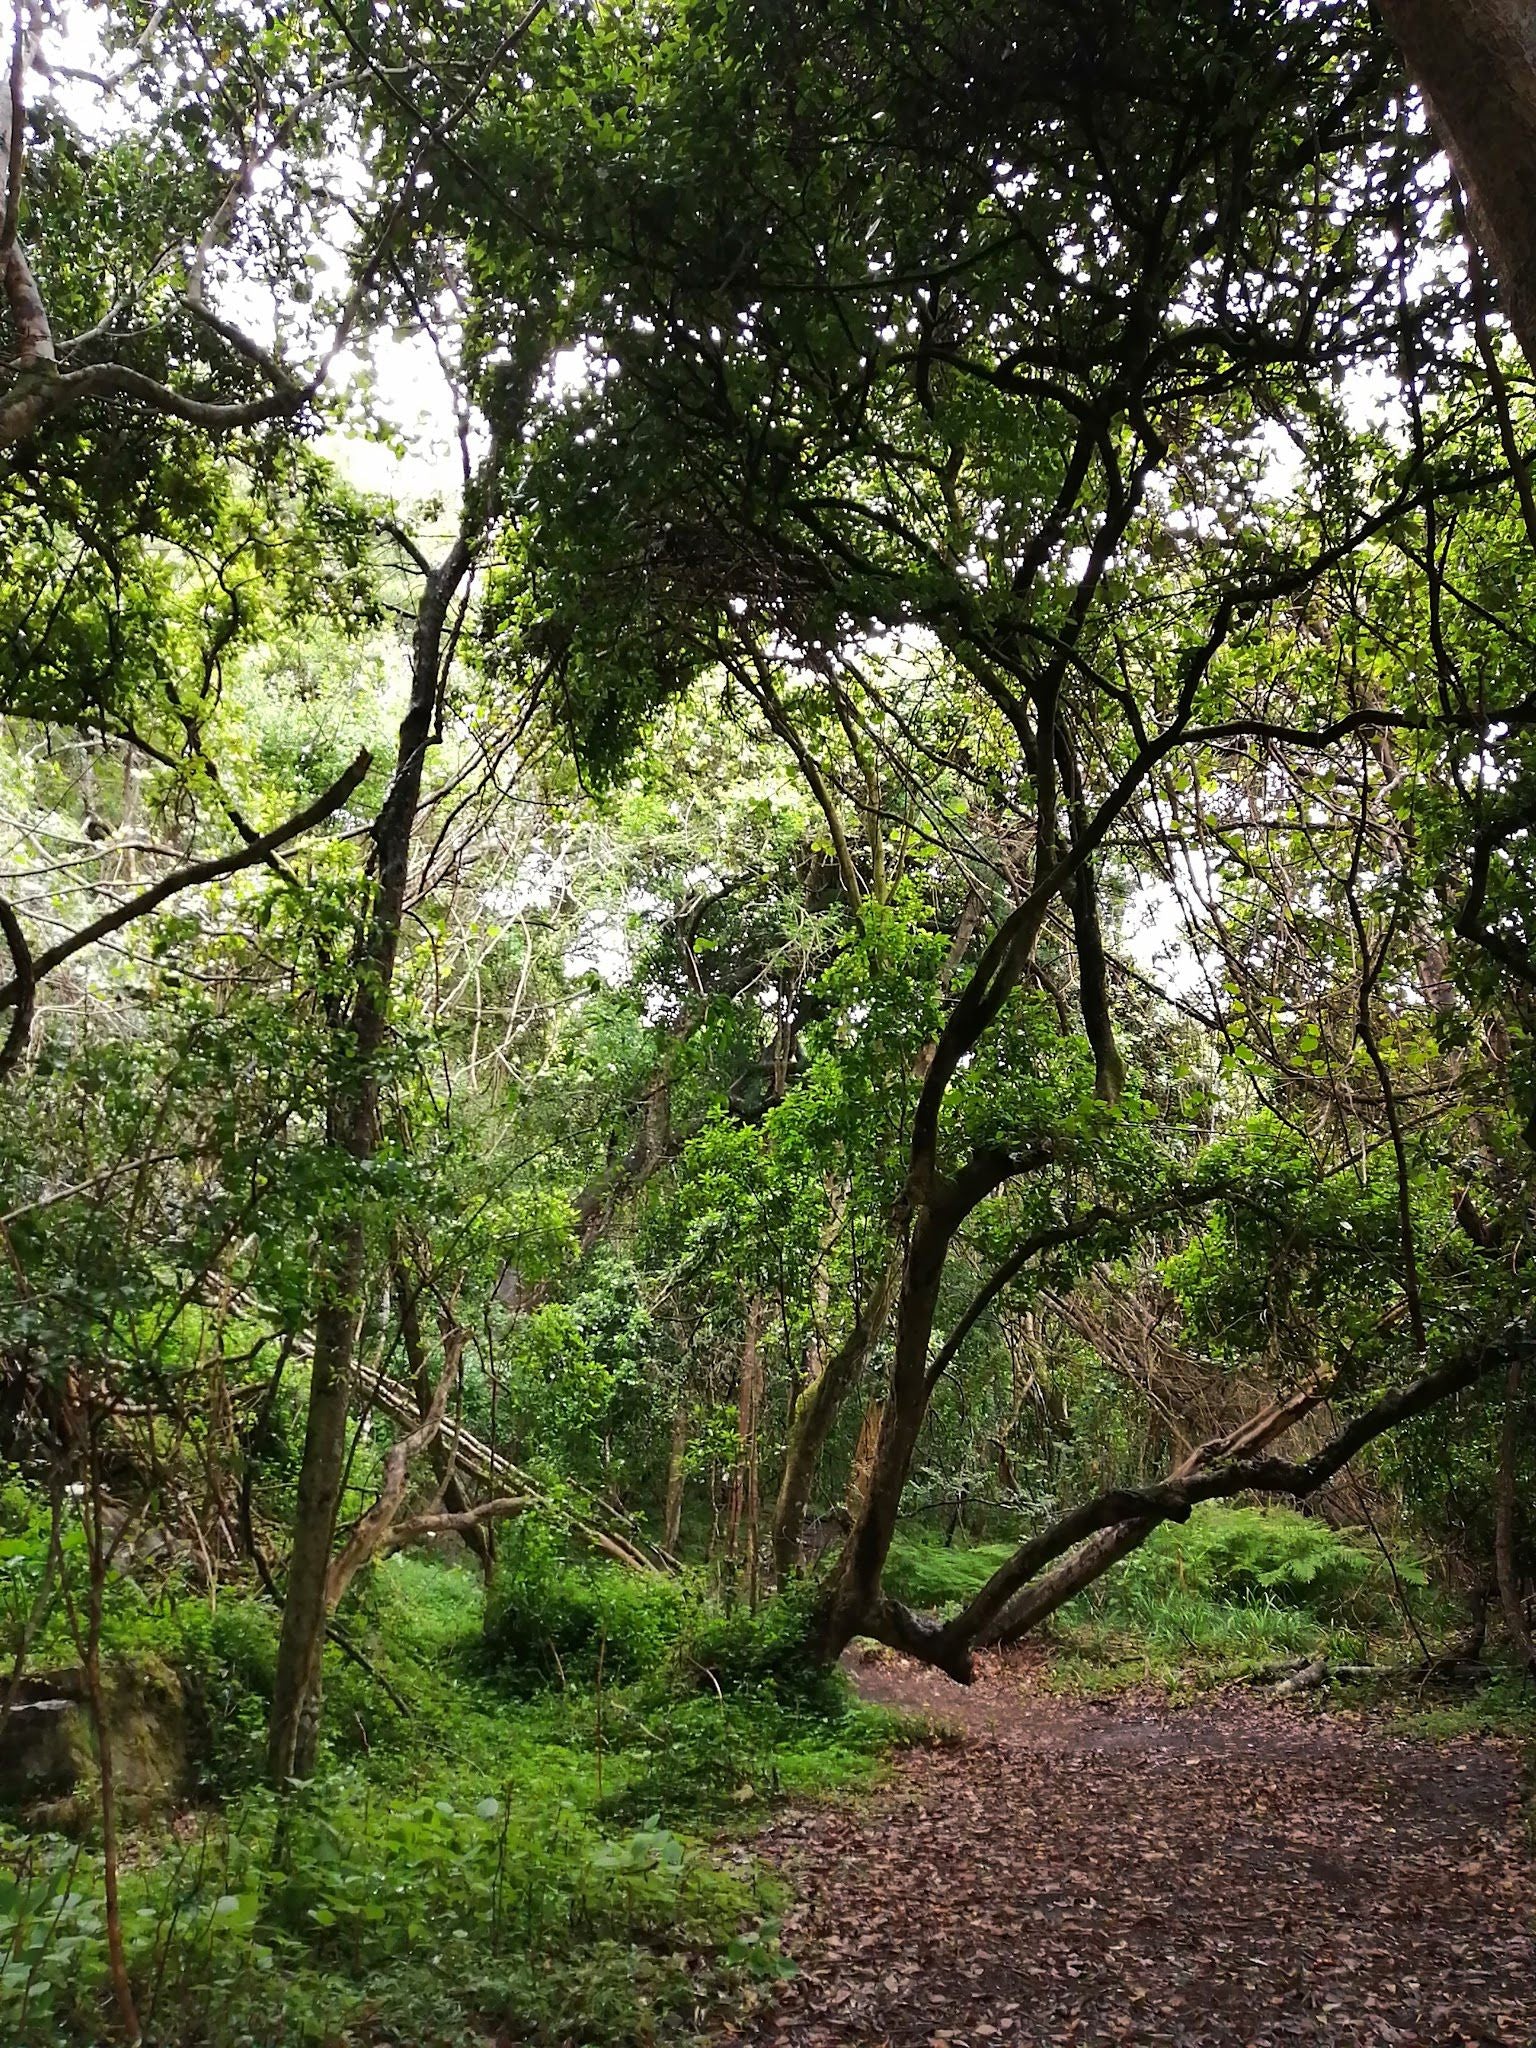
(981, 381)
(361, 1022)
(1472, 61)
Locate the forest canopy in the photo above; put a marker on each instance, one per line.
(883, 885)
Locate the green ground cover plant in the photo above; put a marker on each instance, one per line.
(545, 1860)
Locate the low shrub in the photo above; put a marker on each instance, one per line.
(551, 1621)
(764, 1650)
(231, 1942)
(709, 1758)
(928, 1574)
(1234, 1591)
(554, 1622)
(226, 1654)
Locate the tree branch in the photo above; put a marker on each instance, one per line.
(376, 1530)
(24, 985)
(1092, 1220)
(459, 1523)
(949, 1644)
(16, 991)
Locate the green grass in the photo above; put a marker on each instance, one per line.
(554, 1868)
(1505, 1706)
(1185, 1641)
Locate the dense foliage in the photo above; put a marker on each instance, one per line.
(851, 938)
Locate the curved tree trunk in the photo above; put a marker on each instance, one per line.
(1043, 1596)
(477, 1534)
(854, 1593)
(1220, 1477)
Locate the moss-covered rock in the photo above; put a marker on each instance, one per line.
(48, 1752)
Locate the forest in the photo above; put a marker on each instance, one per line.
(767, 1023)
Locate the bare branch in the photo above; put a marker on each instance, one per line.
(459, 1524)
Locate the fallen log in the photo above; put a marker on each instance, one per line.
(1321, 1672)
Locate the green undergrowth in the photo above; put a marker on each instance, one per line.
(554, 1621)
(934, 1575)
(478, 1860)
(1237, 1591)
(1233, 1591)
(1504, 1706)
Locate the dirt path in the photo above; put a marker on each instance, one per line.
(1242, 1874)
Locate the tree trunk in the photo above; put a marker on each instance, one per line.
(1043, 1596)
(383, 1527)
(1040, 1599)
(861, 1474)
(933, 1208)
(294, 1730)
(854, 1593)
(677, 1458)
(1505, 1566)
(1475, 63)
(1213, 1474)
(477, 1535)
(815, 1412)
(352, 1126)
(746, 1505)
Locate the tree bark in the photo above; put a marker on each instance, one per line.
(862, 1471)
(375, 1530)
(24, 982)
(1042, 1598)
(745, 1504)
(677, 1457)
(855, 1589)
(1506, 1567)
(294, 1729)
(815, 1412)
(476, 1532)
(1474, 61)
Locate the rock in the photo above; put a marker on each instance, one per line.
(48, 1756)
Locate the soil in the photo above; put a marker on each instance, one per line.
(1242, 1873)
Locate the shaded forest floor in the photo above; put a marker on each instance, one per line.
(1236, 1874)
